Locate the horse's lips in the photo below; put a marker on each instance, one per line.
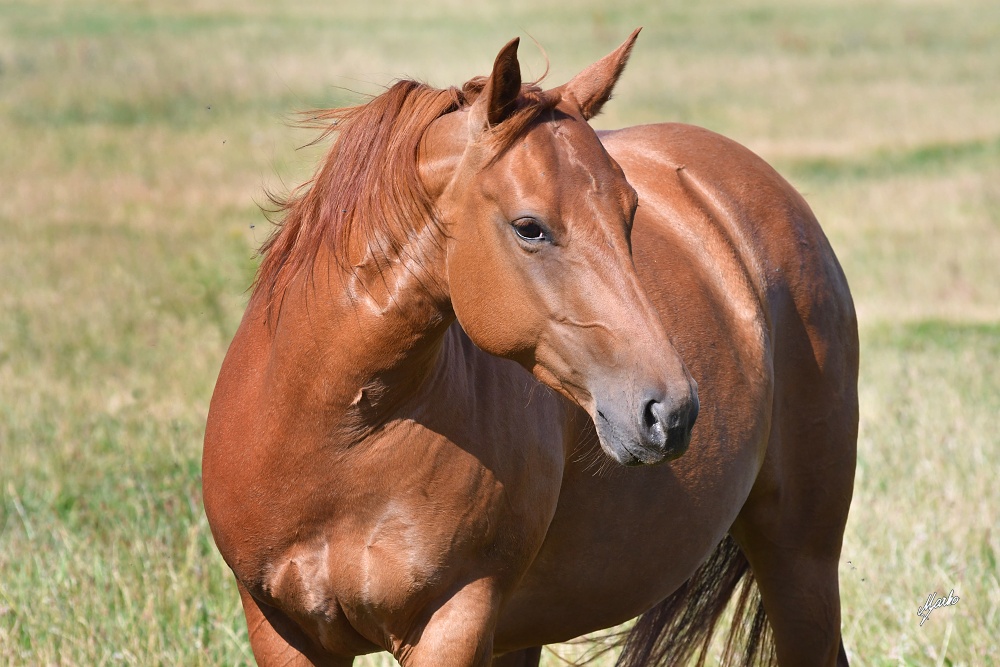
(654, 457)
(618, 448)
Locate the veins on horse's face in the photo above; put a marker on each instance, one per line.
(559, 187)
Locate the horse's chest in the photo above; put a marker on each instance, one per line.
(369, 566)
(389, 545)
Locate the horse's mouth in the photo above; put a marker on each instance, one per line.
(630, 452)
(637, 455)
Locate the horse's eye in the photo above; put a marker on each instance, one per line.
(529, 230)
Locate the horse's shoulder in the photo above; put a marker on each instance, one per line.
(755, 206)
(782, 251)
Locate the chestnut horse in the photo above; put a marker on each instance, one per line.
(471, 340)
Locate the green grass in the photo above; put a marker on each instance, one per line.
(136, 137)
(925, 516)
(934, 159)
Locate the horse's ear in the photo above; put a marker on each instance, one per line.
(592, 87)
(499, 97)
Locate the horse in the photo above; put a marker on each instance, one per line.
(504, 380)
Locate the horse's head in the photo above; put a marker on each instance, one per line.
(539, 263)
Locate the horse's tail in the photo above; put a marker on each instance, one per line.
(671, 632)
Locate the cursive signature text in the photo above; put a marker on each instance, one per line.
(934, 602)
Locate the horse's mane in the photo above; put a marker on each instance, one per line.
(368, 185)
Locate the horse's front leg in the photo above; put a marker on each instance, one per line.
(458, 632)
(277, 640)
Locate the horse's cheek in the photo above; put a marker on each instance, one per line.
(480, 294)
(498, 331)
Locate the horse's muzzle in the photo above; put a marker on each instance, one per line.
(658, 431)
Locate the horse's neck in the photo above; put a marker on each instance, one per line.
(353, 349)
(356, 344)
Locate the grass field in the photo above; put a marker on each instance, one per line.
(136, 137)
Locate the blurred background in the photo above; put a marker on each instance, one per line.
(137, 137)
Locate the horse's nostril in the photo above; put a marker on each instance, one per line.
(649, 418)
(655, 420)
(664, 428)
